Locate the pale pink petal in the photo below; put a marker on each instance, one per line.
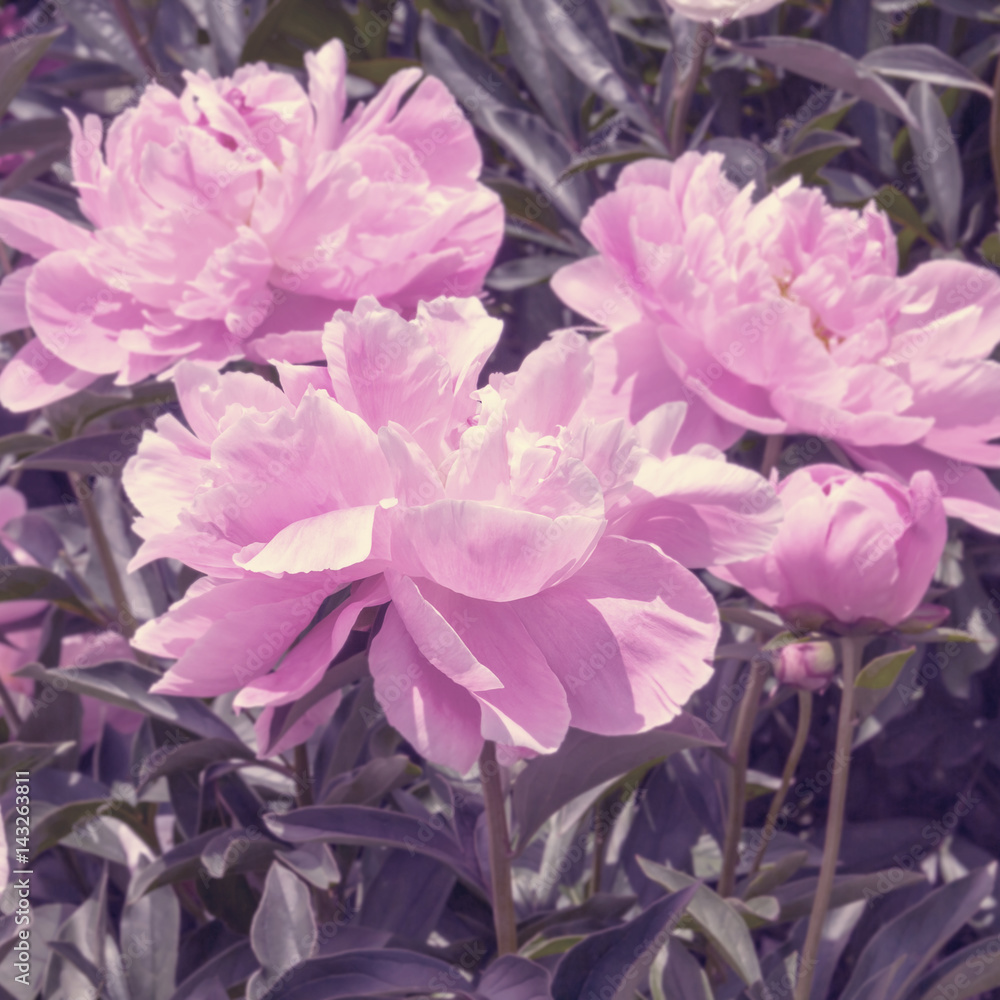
(631, 637)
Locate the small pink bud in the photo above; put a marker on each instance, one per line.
(807, 665)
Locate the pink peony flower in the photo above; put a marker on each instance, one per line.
(788, 317)
(513, 535)
(234, 220)
(853, 548)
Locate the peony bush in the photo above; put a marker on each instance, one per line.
(499, 502)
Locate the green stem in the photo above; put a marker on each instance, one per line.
(13, 719)
(303, 783)
(772, 452)
(851, 650)
(739, 751)
(504, 917)
(794, 756)
(124, 13)
(102, 547)
(995, 129)
(684, 92)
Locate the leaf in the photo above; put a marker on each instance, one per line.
(619, 957)
(525, 271)
(881, 673)
(825, 64)
(512, 977)
(90, 455)
(591, 161)
(924, 63)
(918, 934)
(378, 71)
(715, 917)
(34, 134)
(32, 583)
(153, 921)
(23, 444)
(813, 153)
(677, 975)
(177, 865)
(238, 851)
(370, 783)
(587, 47)
(229, 23)
(947, 980)
(97, 23)
(364, 825)
(548, 79)
(338, 676)
(229, 967)
(313, 862)
(764, 621)
(897, 205)
(586, 760)
(17, 59)
(126, 684)
(475, 82)
(364, 973)
(940, 169)
(283, 933)
(796, 897)
(26, 757)
(544, 154)
(777, 873)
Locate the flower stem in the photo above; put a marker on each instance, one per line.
(504, 917)
(794, 756)
(739, 751)
(851, 650)
(684, 92)
(772, 452)
(125, 17)
(123, 616)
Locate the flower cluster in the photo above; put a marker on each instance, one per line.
(787, 316)
(232, 220)
(534, 557)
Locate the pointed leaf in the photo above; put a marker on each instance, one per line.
(619, 957)
(923, 63)
(716, 919)
(283, 933)
(586, 760)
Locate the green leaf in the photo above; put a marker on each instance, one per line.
(882, 672)
(541, 947)
(716, 918)
(379, 70)
(814, 153)
(32, 583)
(796, 898)
(901, 210)
(17, 59)
(775, 873)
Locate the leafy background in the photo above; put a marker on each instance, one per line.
(172, 864)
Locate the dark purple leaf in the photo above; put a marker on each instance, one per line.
(614, 963)
(514, 978)
(586, 760)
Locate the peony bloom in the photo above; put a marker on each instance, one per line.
(852, 548)
(721, 11)
(534, 557)
(787, 317)
(806, 665)
(234, 220)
